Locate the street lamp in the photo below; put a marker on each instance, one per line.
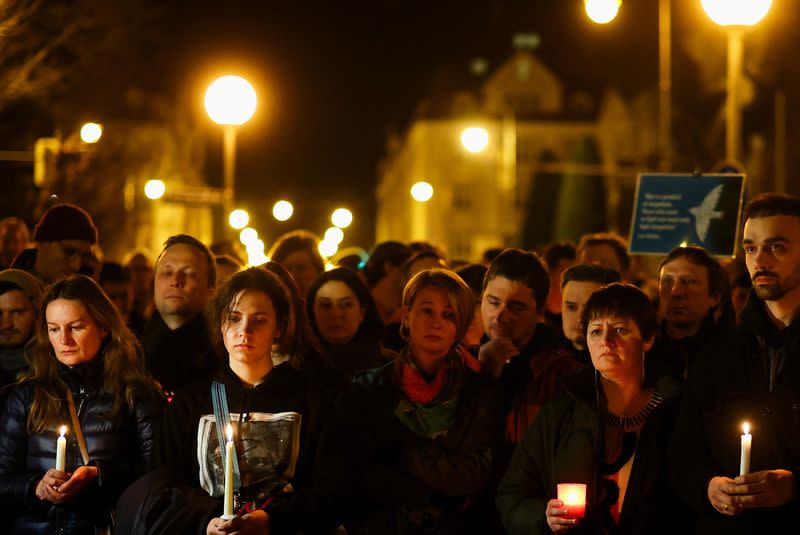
(334, 235)
(154, 189)
(342, 217)
(421, 191)
(230, 101)
(238, 219)
(603, 12)
(736, 15)
(475, 139)
(91, 132)
(282, 210)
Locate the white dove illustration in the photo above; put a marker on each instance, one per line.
(704, 213)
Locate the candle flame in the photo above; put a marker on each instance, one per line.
(746, 428)
(63, 430)
(229, 432)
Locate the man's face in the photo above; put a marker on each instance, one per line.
(181, 282)
(12, 242)
(684, 294)
(574, 295)
(602, 255)
(302, 269)
(772, 254)
(17, 319)
(509, 310)
(58, 260)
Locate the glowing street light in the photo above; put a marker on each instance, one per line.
(91, 132)
(602, 11)
(238, 219)
(475, 139)
(248, 235)
(230, 101)
(334, 235)
(735, 15)
(422, 191)
(327, 248)
(341, 217)
(154, 189)
(282, 210)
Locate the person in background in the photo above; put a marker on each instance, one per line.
(298, 252)
(473, 275)
(344, 318)
(82, 351)
(141, 266)
(610, 430)
(558, 257)
(20, 299)
(14, 237)
(607, 249)
(115, 281)
(423, 259)
(227, 265)
(740, 284)
(577, 285)
(175, 340)
(385, 278)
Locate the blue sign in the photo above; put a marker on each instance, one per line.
(672, 210)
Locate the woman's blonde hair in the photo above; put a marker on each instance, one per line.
(123, 366)
(461, 297)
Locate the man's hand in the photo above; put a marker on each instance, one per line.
(255, 523)
(720, 495)
(494, 354)
(78, 481)
(768, 488)
(554, 514)
(48, 487)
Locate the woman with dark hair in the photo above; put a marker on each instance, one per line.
(344, 318)
(266, 404)
(609, 431)
(86, 374)
(417, 436)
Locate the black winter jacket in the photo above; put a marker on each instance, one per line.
(120, 448)
(729, 385)
(564, 445)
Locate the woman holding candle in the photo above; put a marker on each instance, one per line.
(251, 313)
(83, 349)
(417, 436)
(609, 431)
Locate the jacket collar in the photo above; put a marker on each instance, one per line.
(755, 320)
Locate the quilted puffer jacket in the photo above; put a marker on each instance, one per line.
(119, 447)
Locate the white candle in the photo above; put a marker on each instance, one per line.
(229, 453)
(747, 442)
(61, 450)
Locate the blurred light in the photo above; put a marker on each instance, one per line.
(602, 11)
(238, 219)
(684, 244)
(474, 139)
(342, 217)
(334, 234)
(422, 192)
(736, 12)
(155, 189)
(248, 235)
(91, 132)
(329, 266)
(282, 210)
(254, 246)
(230, 100)
(257, 258)
(327, 248)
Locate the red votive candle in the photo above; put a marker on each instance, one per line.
(573, 496)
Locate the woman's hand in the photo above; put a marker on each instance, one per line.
(720, 495)
(78, 481)
(48, 487)
(554, 514)
(255, 523)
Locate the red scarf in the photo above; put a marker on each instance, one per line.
(416, 387)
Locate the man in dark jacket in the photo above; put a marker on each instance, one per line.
(20, 297)
(751, 375)
(176, 344)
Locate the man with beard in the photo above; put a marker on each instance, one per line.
(694, 306)
(20, 296)
(750, 375)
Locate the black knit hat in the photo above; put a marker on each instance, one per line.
(65, 222)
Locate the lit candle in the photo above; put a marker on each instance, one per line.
(61, 450)
(747, 442)
(229, 452)
(573, 495)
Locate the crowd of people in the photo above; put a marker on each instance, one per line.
(408, 394)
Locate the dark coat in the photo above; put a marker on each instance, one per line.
(177, 357)
(119, 447)
(675, 357)
(388, 479)
(283, 390)
(564, 445)
(731, 385)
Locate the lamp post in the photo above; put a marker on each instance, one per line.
(230, 101)
(736, 16)
(603, 12)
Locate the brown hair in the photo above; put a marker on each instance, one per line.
(123, 367)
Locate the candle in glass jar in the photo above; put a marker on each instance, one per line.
(229, 453)
(61, 450)
(573, 496)
(747, 443)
